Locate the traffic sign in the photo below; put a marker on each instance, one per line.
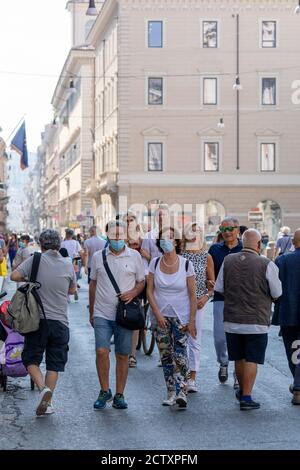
(255, 216)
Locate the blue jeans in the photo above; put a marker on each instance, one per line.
(105, 329)
(219, 333)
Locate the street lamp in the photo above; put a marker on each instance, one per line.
(92, 10)
(237, 84)
(297, 9)
(72, 88)
(221, 124)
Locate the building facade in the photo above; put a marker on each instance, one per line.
(3, 185)
(72, 143)
(170, 126)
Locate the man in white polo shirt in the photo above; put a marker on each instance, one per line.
(127, 268)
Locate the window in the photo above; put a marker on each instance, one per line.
(155, 34)
(155, 91)
(211, 156)
(269, 34)
(88, 26)
(210, 33)
(210, 91)
(155, 156)
(269, 91)
(267, 157)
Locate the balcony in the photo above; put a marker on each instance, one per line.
(92, 189)
(108, 182)
(105, 184)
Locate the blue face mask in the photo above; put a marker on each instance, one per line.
(117, 245)
(166, 245)
(22, 245)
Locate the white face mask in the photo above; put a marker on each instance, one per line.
(193, 246)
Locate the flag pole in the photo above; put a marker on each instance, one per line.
(22, 119)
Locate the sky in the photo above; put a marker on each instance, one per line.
(35, 37)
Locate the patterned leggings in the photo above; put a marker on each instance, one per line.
(172, 345)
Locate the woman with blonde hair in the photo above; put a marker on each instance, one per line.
(194, 250)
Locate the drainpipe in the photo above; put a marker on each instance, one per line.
(238, 92)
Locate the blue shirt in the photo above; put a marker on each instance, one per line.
(218, 251)
(287, 307)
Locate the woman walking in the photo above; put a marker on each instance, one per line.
(171, 293)
(12, 248)
(194, 251)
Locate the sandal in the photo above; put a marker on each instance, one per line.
(132, 362)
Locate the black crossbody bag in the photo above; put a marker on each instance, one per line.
(130, 316)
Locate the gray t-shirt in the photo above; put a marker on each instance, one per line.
(92, 245)
(22, 255)
(56, 275)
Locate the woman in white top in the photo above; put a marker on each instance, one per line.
(171, 292)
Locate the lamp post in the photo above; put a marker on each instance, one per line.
(237, 87)
(92, 10)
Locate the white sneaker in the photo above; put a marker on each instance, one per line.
(191, 386)
(50, 410)
(170, 400)
(181, 400)
(45, 400)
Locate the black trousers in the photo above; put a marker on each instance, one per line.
(290, 336)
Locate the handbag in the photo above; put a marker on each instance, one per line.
(130, 315)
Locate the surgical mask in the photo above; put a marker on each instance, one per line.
(193, 246)
(166, 245)
(117, 245)
(22, 245)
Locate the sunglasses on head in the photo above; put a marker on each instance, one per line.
(226, 229)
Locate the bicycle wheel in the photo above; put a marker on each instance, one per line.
(139, 343)
(148, 335)
(4, 383)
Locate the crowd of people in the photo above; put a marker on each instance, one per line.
(179, 276)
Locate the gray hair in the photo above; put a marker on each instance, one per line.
(232, 219)
(251, 237)
(113, 224)
(50, 240)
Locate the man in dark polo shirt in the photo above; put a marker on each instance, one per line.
(230, 231)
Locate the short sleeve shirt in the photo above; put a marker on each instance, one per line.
(73, 248)
(171, 291)
(127, 269)
(92, 245)
(56, 275)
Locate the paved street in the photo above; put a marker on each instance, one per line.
(212, 421)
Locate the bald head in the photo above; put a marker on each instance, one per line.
(251, 239)
(296, 239)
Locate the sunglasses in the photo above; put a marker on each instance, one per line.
(227, 229)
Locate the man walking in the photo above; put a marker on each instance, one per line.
(249, 283)
(91, 245)
(24, 251)
(287, 311)
(229, 229)
(127, 268)
(57, 278)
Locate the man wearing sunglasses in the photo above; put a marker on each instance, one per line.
(231, 244)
